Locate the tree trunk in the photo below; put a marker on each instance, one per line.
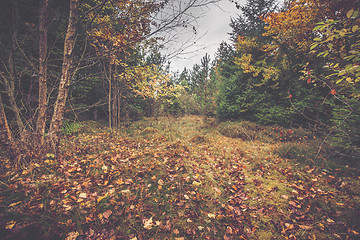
(110, 97)
(9, 83)
(56, 121)
(5, 134)
(41, 120)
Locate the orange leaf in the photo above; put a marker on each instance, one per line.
(107, 214)
(333, 92)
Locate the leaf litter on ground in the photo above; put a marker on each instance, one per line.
(178, 181)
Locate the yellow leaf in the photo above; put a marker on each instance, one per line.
(120, 181)
(195, 183)
(148, 223)
(14, 204)
(10, 225)
(101, 197)
(82, 195)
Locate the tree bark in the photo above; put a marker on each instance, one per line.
(9, 83)
(56, 121)
(41, 120)
(110, 96)
(5, 134)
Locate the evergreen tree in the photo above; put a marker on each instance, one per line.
(250, 21)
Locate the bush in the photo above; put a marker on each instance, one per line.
(70, 127)
(295, 151)
(244, 130)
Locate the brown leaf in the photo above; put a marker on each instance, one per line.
(229, 230)
(107, 214)
(294, 204)
(285, 197)
(305, 227)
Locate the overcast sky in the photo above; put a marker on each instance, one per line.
(211, 30)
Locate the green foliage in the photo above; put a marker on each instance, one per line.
(70, 127)
(346, 135)
(296, 151)
(340, 46)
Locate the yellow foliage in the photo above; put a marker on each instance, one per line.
(294, 26)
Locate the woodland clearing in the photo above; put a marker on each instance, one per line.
(180, 178)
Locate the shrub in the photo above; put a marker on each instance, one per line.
(295, 151)
(70, 127)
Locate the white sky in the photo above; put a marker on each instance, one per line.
(211, 30)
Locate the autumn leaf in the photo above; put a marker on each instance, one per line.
(195, 183)
(102, 197)
(107, 214)
(285, 197)
(148, 223)
(161, 182)
(333, 91)
(10, 225)
(82, 195)
(305, 227)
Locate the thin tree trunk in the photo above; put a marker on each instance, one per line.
(56, 121)
(110, 97)
(5, 133)
(9, 84)
(41, 120)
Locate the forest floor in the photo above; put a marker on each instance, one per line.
(180, 178)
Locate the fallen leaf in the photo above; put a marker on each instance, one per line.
(148, 223)
(229, 230)
(340, 204)
(305, 227)
(82, 195)
(72, 236)
(176, 231)
(329, 220)
(161, 182)
(353, 231)
(127, 191)
(10, 225)
(292, 203)
(195, 183)
(120, 181)
(14, 204)
(107, 214)
(101, 197)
